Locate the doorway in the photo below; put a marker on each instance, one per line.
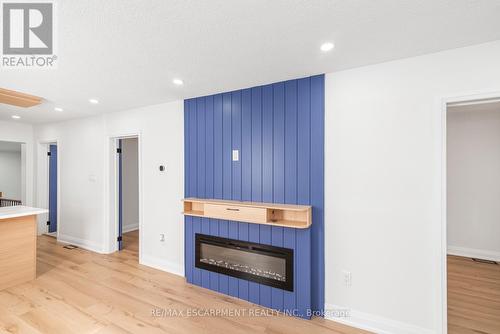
(473, 216)
(128, 194)
(52, 187)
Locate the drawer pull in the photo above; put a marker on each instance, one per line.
(231, 209)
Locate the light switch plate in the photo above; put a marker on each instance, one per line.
(236, 155)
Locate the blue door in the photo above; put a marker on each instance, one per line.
(52, 188)
(120, 202)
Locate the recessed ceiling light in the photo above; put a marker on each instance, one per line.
(325, 47)
(58, 109)
(178, 82)
(93, 101)
(16, 116)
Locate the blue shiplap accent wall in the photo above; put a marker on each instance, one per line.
(279, 131)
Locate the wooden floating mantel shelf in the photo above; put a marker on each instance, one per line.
(283, 215)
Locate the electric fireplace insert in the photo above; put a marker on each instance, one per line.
(254, 262)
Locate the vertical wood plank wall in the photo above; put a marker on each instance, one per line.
(279, 131)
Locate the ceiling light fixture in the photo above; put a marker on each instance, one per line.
(325, 47)
(93, 101)
(58, 109)
(178, 82)
(16, 116)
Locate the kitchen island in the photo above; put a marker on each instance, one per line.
(18, 233)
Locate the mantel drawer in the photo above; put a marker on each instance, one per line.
(238, 213)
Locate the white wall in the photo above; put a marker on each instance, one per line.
(81, 178)
(84, 161)
(161, 142)
(130, 184)
(22, 133)
(10, 174)
(383, 184)
(474, 182)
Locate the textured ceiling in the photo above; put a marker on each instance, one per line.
(126, 53)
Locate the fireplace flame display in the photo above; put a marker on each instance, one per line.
(259, 263)
(246, 269)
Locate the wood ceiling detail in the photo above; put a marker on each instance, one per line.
(18, 99)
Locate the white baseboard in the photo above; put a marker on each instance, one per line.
(130, 228)
(474, 253)
(161, 264)
(373, 323)
(82, 243)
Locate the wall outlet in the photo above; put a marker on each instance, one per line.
(347, 278)
(162, 237)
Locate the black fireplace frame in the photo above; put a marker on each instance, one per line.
(251, 247)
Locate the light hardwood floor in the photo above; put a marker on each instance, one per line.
(473, 297)
(131, 243)
(77, 291)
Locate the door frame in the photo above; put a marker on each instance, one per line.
(445, 102)
(43, 188)
(119, 190)
(112, 195)
(57, 185)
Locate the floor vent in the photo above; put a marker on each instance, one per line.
(70, 247)
(484, 261)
